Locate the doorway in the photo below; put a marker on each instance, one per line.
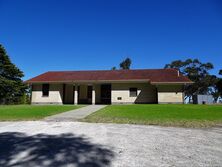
(68, 94)
(106, 94)
(85, 94)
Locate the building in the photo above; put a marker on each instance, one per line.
(203, 99)
(108, 87)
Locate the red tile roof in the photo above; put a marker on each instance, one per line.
(152, 75)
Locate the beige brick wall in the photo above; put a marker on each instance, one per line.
(170, 97)
(55, 94)
(170, 94)
(146, 93)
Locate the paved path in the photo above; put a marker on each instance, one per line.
(75, 115)
(78, 144)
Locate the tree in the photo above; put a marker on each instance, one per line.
(177, 64)
(125, 64)
(197, 72)
(113, 68)
(12, 87)
(220, 72)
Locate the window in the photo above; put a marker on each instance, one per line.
(45, 90)
(133, 92)
(119, 98)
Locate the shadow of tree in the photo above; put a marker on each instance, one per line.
(18, 149)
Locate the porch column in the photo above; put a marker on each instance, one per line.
(93, 95)
(76, 94)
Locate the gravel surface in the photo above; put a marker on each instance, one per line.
(41, 143)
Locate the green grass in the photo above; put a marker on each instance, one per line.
(157, 114)
(31, 112)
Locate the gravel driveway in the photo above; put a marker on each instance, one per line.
(39, 143)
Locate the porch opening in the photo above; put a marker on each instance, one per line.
(85, 94)
(106, 94)
(68, 94)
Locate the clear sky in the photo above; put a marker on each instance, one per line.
(44, 35)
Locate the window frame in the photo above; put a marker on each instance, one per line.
(133, 92)
(45, 90)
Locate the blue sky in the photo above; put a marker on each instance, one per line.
(44, 35)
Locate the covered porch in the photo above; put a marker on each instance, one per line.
(86, 93)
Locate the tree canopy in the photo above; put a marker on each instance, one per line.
(12, 87)
(125, 64)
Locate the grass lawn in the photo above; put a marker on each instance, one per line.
(160, 114)
(32, 112)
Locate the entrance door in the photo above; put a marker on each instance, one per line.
(106, 94)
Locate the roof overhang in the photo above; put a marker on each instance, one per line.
(172, 83)
(110, 81)
(91, 81)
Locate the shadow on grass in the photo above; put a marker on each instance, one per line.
(18, 149)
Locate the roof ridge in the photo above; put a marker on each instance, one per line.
(145, 69)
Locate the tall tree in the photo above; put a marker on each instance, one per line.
(197, 72)
(125, 64)
(11, 84)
